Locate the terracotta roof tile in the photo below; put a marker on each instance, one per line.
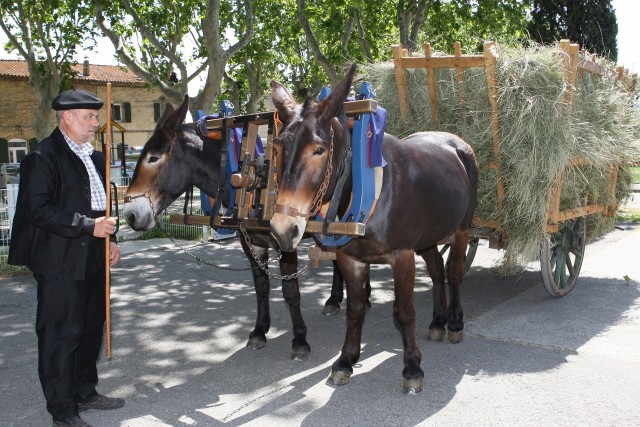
(120, 76)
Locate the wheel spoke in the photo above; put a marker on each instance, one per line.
(554, 256)
(564, 279)
(558, 269)
(570, 268)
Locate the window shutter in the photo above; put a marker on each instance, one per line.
(4, 150)
(156, 111)
(127, 112)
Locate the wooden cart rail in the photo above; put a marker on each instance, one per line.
(573, 64)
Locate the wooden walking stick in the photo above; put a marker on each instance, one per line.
(107, 271)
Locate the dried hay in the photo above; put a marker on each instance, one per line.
(537, 137)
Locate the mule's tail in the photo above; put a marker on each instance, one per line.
(468, 158)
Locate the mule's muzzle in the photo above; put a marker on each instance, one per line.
(287, 230)
(286, 242)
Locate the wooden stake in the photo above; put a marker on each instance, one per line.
(107, 155)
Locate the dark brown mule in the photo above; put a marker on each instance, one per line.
(428, 194)
(172, 160)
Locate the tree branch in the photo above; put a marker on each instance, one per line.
(313, 44)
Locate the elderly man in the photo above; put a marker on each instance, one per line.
(58, 232)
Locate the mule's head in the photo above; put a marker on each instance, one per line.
(156, 181)
(310, 146)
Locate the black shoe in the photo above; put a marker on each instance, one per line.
(74, 421)
(101, 402)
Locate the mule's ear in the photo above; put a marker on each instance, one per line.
(332, 104)
(167, 112)
(171, 118)
(283, 101)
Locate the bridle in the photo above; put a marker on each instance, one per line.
(317, 200)
(147, 194)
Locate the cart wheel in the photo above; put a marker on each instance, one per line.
(468, 258)
(561, 258)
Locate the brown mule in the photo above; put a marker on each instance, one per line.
(428, 194)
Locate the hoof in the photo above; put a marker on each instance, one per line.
(436, 335)
(412, 386)
(455, 336)
(256, 343)
(300, 355)
(338, 378)
(331, 309)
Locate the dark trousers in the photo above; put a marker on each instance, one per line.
(69, 324)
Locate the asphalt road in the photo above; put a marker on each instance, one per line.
(179, 358)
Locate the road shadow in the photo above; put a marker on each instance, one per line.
(179, 332)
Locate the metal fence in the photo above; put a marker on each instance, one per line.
(182, 231)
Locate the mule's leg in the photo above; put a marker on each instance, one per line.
(356, 275)
(435, 268)
(455, 272)
(291, 293)
(332, 305)
(403, 266)
(257, 337)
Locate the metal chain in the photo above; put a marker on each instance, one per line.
(317, 201)
(198, 260)
(265, 266)
(276, 123)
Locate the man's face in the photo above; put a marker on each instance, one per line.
(80, 125)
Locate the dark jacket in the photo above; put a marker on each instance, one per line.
(52, 224)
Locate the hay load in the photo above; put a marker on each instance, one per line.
(544, 119)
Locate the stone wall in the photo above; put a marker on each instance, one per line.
(20, 102)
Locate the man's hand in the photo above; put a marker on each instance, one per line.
(114, 254)
(105, 226)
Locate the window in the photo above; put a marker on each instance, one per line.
(121, 112)
(116, 112)
(17, 150)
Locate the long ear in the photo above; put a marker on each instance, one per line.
(283, 101)
(171, 118)
(332, 104)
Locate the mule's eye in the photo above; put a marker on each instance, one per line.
(319, 151)
(153, 159)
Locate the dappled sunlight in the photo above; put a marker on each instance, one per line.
(233, 406)
(179, 354)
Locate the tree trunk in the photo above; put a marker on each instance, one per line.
(46, 89)
(256, 92)
(314, 45)
(410, 20)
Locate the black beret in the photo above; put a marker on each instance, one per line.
(76, 99)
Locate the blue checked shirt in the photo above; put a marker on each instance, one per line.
(98, 195)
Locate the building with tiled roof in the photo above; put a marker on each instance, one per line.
(136, 106)
(87, 73)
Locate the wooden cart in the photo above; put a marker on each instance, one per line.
(562, 253)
